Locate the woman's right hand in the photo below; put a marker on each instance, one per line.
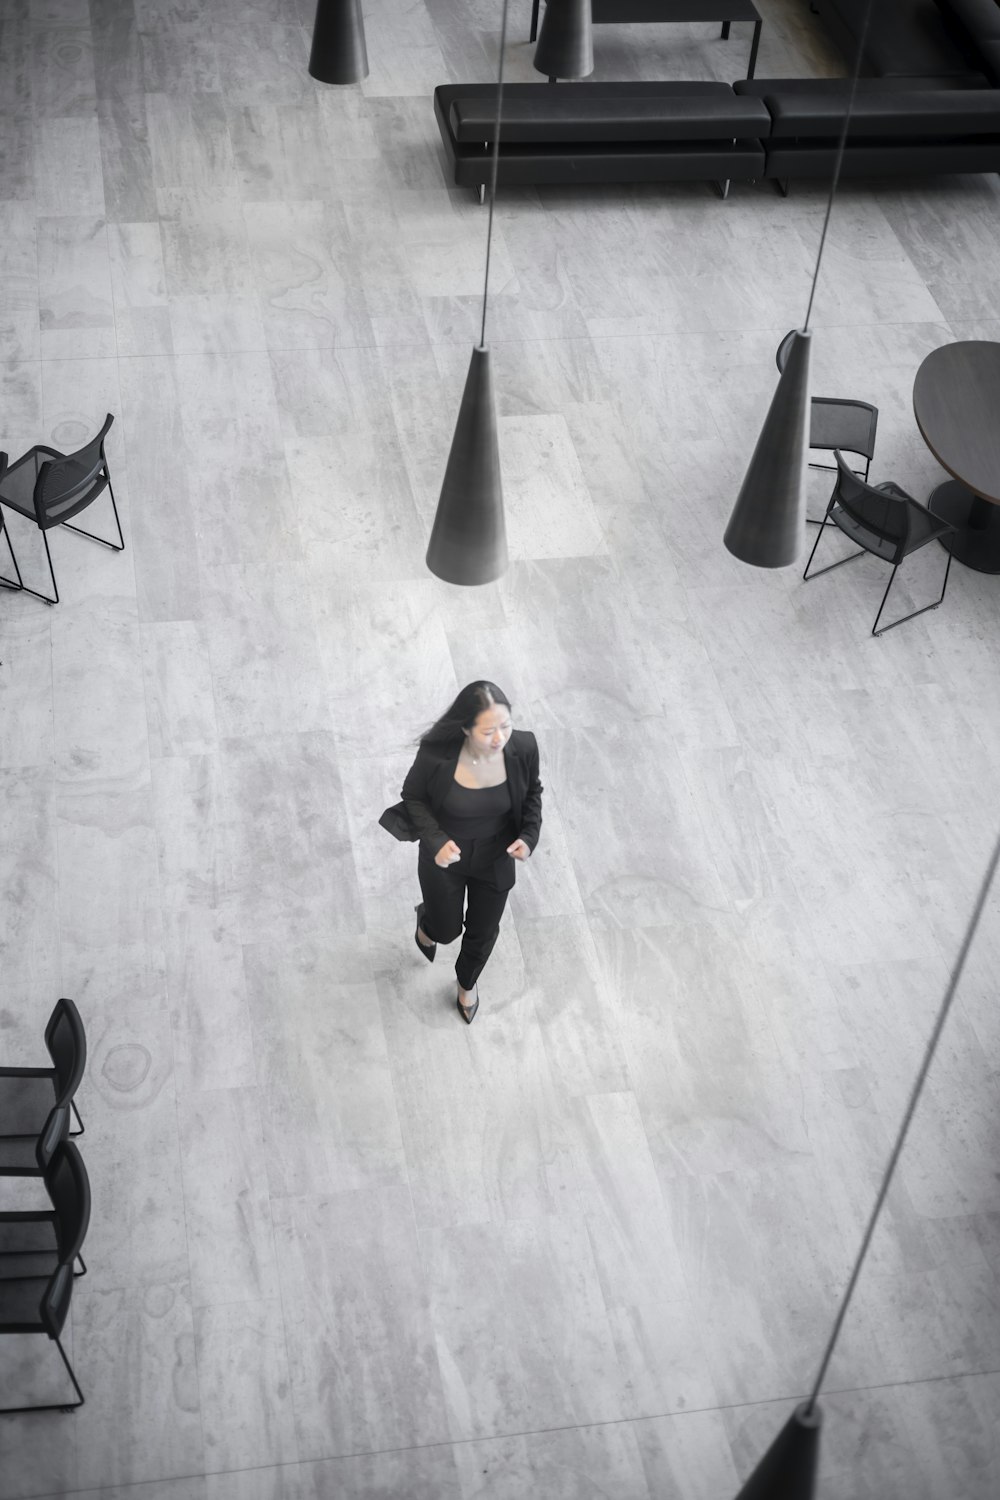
(447, 854)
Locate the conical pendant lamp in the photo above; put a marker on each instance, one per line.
(761, 530)
(768, 525)
(338, 51)
(788, 1469)
(468, 543)
(566, 41)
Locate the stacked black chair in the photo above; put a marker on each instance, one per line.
(28, 1095)
(884, 520)
(50, 487)
(39, 1303)
(39, 1247)
(836, 422)
(31, 1240)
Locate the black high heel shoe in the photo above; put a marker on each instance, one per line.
(468, 1016)
(428, 950)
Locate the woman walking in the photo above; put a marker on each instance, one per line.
(474, 796)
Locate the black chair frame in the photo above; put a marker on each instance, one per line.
(49, 1323)
(81, 493)
(896, 556)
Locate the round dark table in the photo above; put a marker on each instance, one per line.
(956, 401)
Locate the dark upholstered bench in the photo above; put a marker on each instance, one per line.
(602, 132)
(893, 131)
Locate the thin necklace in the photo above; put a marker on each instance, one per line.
(474, 758)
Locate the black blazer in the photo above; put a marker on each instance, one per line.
(428, 779)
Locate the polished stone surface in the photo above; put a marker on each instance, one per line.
(592, 1245)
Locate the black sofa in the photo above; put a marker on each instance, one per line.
(917, 38)
(928, 102)
(603, 132)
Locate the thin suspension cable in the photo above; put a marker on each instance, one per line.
(835, 180)
(493, 171)
(915, 1093)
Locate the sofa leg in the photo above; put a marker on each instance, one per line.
(722, 188)
(481, 190)
(782, 186)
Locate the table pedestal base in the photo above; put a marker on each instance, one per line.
(977, 540)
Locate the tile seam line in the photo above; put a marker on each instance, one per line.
(527, 1432)
(571, 338)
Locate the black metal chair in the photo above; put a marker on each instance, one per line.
(884, 520)
(27, 1095)
(32, 1241)
(836, 423)
(40, 1304)
(49, 487)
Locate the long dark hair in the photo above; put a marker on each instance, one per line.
(463, 713)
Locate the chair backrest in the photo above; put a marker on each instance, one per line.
(71, 481)
(67, 1044)
(69, 1188)
(53, 1133)
(884, 515)
(56, 1299)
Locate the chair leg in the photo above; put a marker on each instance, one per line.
(52, 1405)
(118, 546)
(35, 594)
(830, 566)
(73, 1134)
(914, 612)
(9, 582)
(54, 599)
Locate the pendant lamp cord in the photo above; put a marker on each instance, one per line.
(840, 158)
(915, 1093)
(493, 170)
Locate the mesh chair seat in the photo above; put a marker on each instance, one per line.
(54, 497)
(850, 425)
(29, 1244)
(20, 1304)
(18, 1157)
(25, 1101)
(27, 1232)
(17, 489)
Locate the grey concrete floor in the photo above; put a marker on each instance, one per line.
(591, 1246)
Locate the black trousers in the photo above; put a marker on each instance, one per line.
(479, 883)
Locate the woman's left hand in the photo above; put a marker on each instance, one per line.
(519, 849)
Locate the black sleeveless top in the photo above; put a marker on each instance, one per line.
(476, 812)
